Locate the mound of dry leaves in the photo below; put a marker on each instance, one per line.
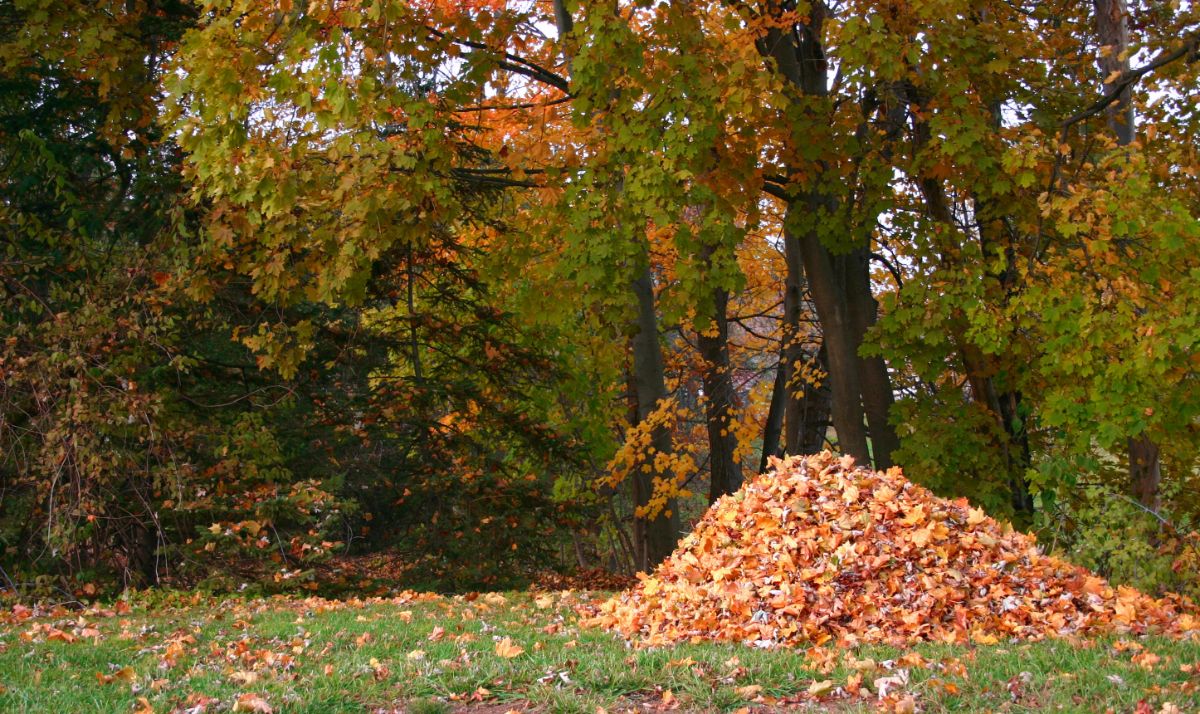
(819, 551)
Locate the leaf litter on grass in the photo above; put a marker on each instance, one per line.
(820, 551)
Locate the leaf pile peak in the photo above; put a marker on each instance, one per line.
(818, 550)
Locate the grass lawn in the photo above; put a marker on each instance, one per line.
(526, 652)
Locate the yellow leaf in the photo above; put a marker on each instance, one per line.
(914, 517)
(505, 648)
(816, 689)
(850, 495)
(126, 674)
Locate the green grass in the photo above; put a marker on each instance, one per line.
(304, 656)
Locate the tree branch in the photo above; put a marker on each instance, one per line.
(1191, 46)
(512, 63)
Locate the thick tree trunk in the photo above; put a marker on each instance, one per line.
(807, 406)
(873, 372)
(660, 532)
(793, 348)
(1112, 28)
(842, 348)
(720, 398)
(799, 57)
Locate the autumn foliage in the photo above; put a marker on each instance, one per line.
(819, 551)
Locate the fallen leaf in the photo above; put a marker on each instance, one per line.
(820, 688)
(505, 648)
(252, 703)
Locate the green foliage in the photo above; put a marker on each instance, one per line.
(1104, 531)
(278, 278)
(950, 447)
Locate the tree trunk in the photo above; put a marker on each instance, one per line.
(661, 531)
(636, 485)
(1112, 28)
(720, 397)
(876, 382)
(799, 57)
(1145, 472)
(792, 353)
(655, 537)
(841, 346)
(818, 406)
(773, 429)
(806, 406)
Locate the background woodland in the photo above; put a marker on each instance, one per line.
(499, 288)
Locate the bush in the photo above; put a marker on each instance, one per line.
(1118, 538)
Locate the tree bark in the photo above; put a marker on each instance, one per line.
(773, 429)
(1112, 28)
(660, 532)
(873, 373)
(792, 353)
(655, 537)
(720, 401)
(1145, 472)
(807, 406)
(840, 344)
(818, 404)
(798, 56)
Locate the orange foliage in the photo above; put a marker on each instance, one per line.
(819, 551)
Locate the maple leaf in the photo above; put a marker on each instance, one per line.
(505, 648)
(252, 703)
(817, 689)
(1006, 577)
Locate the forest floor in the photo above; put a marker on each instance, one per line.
(527, 652)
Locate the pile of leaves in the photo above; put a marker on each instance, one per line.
(819, 551)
